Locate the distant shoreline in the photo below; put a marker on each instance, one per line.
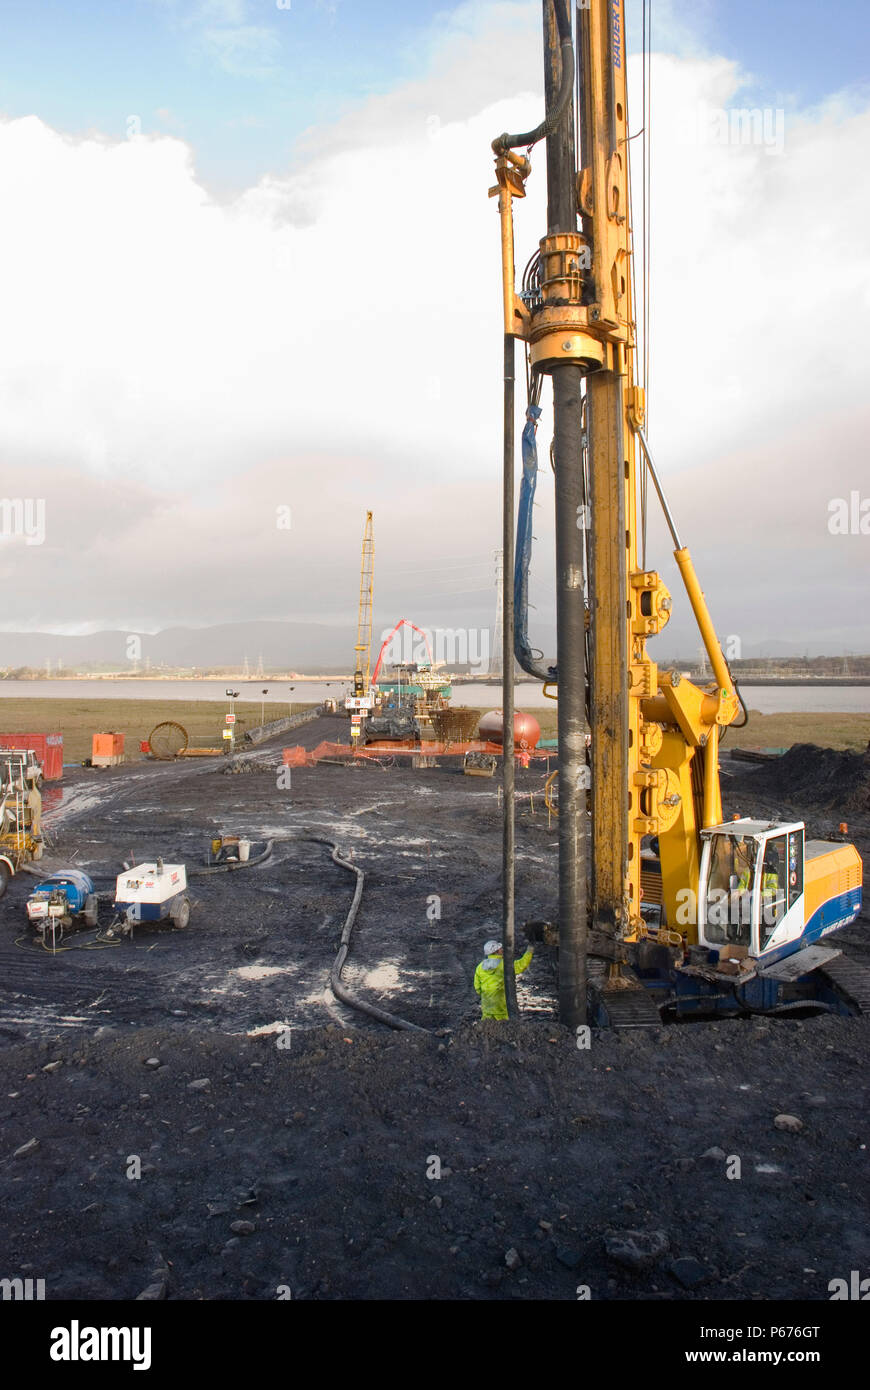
(230, 676)
(462, 679)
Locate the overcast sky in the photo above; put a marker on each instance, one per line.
(249, 264)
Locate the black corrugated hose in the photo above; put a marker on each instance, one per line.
(506, 142)
(340, 990)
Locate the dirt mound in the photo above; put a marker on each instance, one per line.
(825, 778)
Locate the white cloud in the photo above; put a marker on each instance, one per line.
(331, 339)
(246, 50)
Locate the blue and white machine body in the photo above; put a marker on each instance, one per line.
(152, 891)
(62, 897)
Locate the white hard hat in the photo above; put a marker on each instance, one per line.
(491, 947)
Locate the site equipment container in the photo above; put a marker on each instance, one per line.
(107, 750)
(47, 747)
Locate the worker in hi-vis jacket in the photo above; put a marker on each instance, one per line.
(489, 979)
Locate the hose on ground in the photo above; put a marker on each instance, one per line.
(230, 865)
(340, 990)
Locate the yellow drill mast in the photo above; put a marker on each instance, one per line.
(363, 648)
(653, 765)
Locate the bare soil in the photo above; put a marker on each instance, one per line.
(322, 1132)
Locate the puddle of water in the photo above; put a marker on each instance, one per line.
(72, 801)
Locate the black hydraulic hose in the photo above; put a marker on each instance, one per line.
(340, 990)
(230, 865)
(745, 720)
(506, 142)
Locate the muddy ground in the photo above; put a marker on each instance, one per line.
(287, 1142)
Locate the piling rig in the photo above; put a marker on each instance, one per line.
(363, 647)
(653, 887)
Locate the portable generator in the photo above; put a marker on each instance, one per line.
(62, 898)
(151, 892)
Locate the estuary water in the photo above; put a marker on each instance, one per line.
(767, 699)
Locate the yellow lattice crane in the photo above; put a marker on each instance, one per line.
(363, 648)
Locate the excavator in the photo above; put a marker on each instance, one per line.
(663, 903)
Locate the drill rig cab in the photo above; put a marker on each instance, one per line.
(763, 888)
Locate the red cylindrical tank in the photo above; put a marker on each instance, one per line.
(527, 730)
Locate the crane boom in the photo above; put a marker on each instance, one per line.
(363, 647)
